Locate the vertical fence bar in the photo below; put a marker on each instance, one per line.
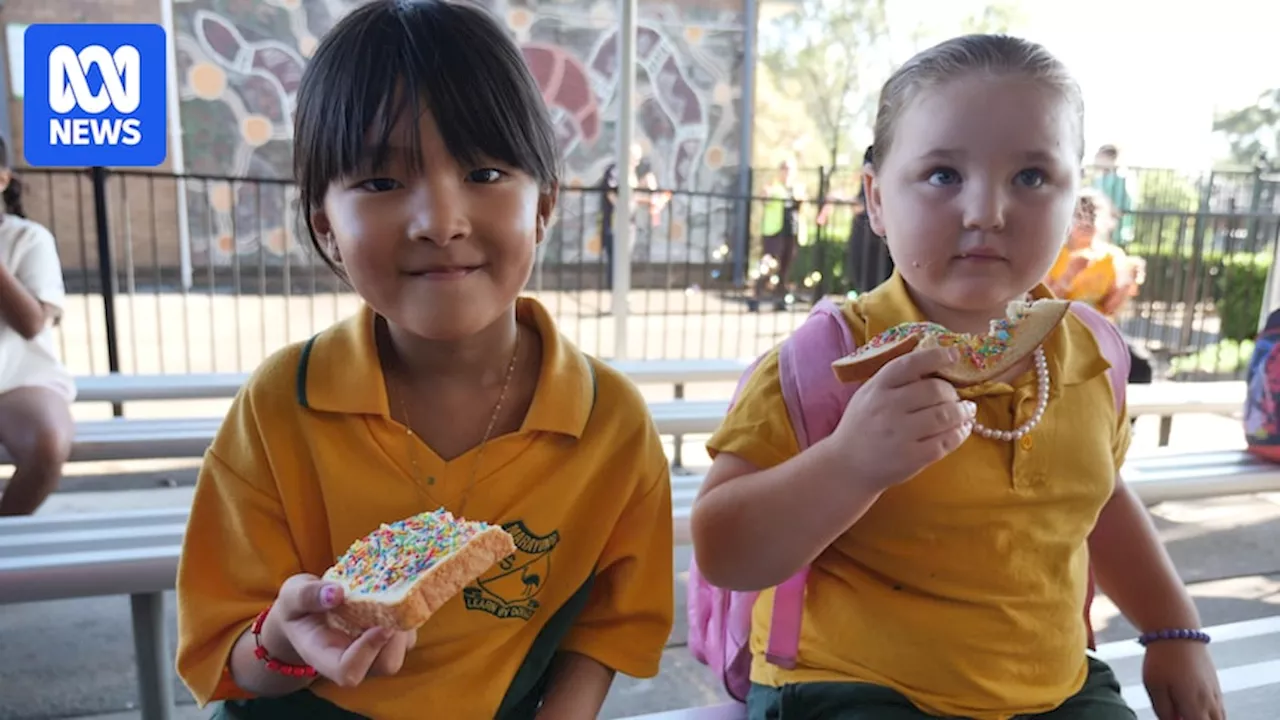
(624, 229)
(106, 274)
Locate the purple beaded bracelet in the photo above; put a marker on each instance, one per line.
(1181, 634)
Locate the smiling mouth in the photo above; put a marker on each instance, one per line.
(446, 273)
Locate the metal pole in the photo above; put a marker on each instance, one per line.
(742, 213)
(151, 651)
(106, 275)
(623, 231)
(176, 153)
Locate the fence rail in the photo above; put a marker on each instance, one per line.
(195, 273)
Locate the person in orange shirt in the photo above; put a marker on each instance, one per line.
(428, 171)
(1090, 268)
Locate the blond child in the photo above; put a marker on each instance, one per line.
(949, 566)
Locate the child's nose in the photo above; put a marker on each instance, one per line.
(984, 207)
(438, 212)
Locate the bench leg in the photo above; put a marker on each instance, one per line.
(677, 455)
(155, 677)
(1166, 427)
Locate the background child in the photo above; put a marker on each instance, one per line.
(36, 391)
(1090, 268)
(1093, 270)
(427, 168)
(949, 566)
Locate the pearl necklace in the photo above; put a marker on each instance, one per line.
(1042, 402)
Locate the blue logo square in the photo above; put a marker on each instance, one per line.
(95, 95)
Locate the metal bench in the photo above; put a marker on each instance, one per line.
(136, 553)
(1160, 476)
(1247, 655)
(174, 438)
(132, 553)
(122, 388)
(128, 438)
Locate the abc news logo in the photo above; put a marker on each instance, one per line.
(96, 95)
(69, 89)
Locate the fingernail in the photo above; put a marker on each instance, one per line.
(970, 407)
(952, 355)
(329, 595)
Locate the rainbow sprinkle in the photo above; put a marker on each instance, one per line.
(401, 551)
(978, 350)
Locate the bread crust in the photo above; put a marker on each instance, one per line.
(1038, 320)
(428, 592)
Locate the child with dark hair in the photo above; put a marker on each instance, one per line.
(428, 172)
(35, 389)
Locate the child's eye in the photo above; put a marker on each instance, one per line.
(1032, 178)
(943, 177)
(485, 176)
(378, 185)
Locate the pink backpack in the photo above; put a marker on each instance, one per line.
(720, 620)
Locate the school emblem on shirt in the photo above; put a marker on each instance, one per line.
(510, 588)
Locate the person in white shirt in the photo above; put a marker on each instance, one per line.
(36, 391)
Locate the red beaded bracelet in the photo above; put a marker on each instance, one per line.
(274, 665)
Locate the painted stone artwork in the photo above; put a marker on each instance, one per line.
(240, 63)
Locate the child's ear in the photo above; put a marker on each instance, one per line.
(320, 222)
(875, 212)
(546, 210)
(323, 229)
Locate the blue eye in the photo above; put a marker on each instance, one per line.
(378, 185)
(1032, 178)
(943, 177)
(485, 176)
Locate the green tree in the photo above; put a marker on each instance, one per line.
(830, 57)
(1253, 130)
(820, 52)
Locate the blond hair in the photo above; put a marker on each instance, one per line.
(994, 55)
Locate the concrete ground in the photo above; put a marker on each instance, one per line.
(74, 658)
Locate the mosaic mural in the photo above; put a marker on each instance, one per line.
(240, 62)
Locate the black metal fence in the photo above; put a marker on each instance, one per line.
(206, 274)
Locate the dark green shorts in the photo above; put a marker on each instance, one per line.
(1099, 699)
(302, 704)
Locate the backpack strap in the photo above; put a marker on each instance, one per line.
(1113, 347)
(815, 401)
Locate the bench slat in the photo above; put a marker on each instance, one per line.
(127, 387)
(41, 523)
(1158, 479)
(104, 538)
(129, 438)
(88, 574)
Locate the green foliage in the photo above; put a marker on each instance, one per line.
(1234, 282)
(1238, 291)
(817, 53)
(829, 58)
(1229, 357)
(1253, 130)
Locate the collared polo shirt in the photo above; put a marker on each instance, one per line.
(964, 587)
(309, 459)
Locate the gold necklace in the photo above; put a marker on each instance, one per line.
(411, 436)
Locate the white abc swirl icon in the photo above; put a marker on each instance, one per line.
(121, 79)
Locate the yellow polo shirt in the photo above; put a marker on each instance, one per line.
(963, 588)
(309, 459)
